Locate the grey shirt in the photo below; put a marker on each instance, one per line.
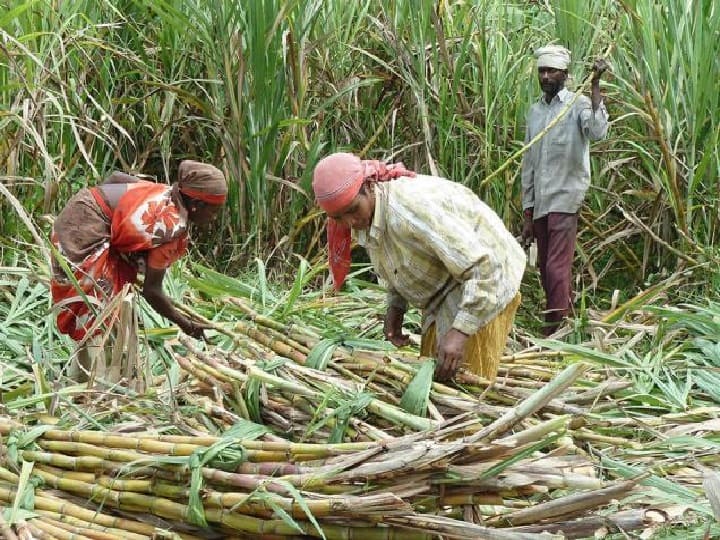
(556, 169)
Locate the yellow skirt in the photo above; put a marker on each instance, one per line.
(483, 349)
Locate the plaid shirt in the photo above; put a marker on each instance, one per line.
(556, 169)
(438, 247)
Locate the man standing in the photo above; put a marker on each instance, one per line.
(556, 173)
(436, 246)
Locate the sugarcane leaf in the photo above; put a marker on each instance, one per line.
(709, 382)
(225, 453)
(216, 284)
(297, 496)
(20, 516)
(322, 352)
(28, 437)
(339, 428)
(246, 430)
(252, 398)
(710, 350)
(711, 485)
(415, 398)
(25, 494)
(672, 489)
(368, 344)
(282, 514)
(587, 353)
(346, 407)
(196, 511)
(265, 293)
(685, 443)
(41, 384)
(11, 396)
(16, 11)
(272, 364)
(296, 290)
(519, 456)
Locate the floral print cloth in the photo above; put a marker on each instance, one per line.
(105, 248)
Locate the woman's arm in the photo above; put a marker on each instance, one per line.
(153, 293)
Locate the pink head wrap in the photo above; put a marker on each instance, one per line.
(337, 180)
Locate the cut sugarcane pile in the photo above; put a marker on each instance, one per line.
(312, 389)
(388, 489)
(461, 479)
(356, 441)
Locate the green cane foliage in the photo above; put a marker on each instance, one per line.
(321, 354)
(525, 453)
(25, 497)
(225, 454)
(246, 430)
(415, 398)
(298, 498)
(680, 98)
(217, 284)
(252, 399)
(336, 409)
(667, 488)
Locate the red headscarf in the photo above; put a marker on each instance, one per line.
(337, 180)
(202, 181)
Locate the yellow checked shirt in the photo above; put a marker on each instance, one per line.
(438, 247)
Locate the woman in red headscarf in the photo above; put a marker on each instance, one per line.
(436, 246)
(107, 234)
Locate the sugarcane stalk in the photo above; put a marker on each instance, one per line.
(198, 372)
(587, 435)
(533, 355)
(79, 532)
(535, 402)
(52, 504)
(73, 521)
(529, 372)
(76, 475)
(388, 411)
(458, 529)
(554, 405)
(567, 506)
(205, 363)
(36, 533)
(154, 505)
(141, 444)
(536, 432)
(257, 317)
(287, 448)
(279, 346)
(621, 522)
(601, 390)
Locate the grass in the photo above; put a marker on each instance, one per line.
(266, 88)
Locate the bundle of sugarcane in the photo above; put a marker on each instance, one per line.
(422, 482)
(318, 389)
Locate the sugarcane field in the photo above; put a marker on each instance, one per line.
(359, 270)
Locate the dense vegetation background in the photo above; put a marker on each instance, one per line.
(265, 88)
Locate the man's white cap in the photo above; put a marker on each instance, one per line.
(553, 56)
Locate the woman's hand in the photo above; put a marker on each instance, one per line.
(451, 352)
(393, 327)
(193, 329)
(153, 293)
